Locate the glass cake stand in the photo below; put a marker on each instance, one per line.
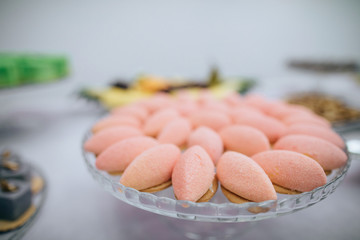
(216, 212)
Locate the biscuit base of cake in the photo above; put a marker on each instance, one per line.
(211, 192)
(118, 173)
(283, 190)
(158, 188)
(234, 198)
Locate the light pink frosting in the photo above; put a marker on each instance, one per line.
(176, 132)
(117, 120)
(271, 127)
(152, 167)
(134, 110)
(193, 174)
(158, 120)
(212, 119)
(244, 177)
(209, 140)
(306, 118)
(291, 170)
(157, 102)
(119, 155)
(244, 139)
(316, 131)
(283, 110)
(104, 139)
(328, 155)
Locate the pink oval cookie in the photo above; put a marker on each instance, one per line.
(291, 170)
(158, 120)
(209, 140)
(114, 121)
(133, 110)
(104, 139)
(176, 132)
(193, 174)
(239, 112)
(211, 119)
(284, 110)
(244, 177)
(152, 167)
(244, 139)
(157, 102)
(271, 127)
(328, 155)
(118, 156)
(233, 99)
(307, 119)
(316, 131)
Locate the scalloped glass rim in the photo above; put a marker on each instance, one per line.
(210, 211)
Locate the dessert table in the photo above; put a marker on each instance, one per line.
(49, 134)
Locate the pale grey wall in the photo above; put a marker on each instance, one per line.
(122, 38)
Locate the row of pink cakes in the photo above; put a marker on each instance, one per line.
(253, 146)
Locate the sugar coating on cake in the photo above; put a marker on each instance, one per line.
(245, 111)
(104, 139)
(244, 139)
(176, 132)
(307, 119)
(271, 127)
(118, 156)
(244, 177)
(216, 106)
(186, 108)
(328, 155)
(320, 132)
(291, 170)
(137, 111)
(152, 167)
(158, 120)
(282, 110)
(193, 174)
(212, 119)
(209, 140)
(114, 121)
(157, 102)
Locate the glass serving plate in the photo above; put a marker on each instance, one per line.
(219, 209)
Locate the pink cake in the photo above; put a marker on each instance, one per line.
(320, 132)
(158, 120)
(152, 167)
(115, 121)
(271, 127)
(176, 132)
(118, 156)
(104, 139)
(212, 119)
(193, 174)
(209, 140)
(291, 170)
(307, 119)
(244, 177)
(244, 139)
(133, 110)
(328, 155)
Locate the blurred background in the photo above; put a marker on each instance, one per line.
(123, 38)
(102, 41)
